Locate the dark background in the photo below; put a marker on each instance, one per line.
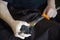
(58, 16)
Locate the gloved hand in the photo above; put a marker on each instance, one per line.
(51, 11)
(17, 31)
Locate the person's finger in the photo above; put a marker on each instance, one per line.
(55, 14)
(20, 36)
(46, 10)
(19, 25)
(25, 35)
(25, 23)
(52, 13)
(44, 14)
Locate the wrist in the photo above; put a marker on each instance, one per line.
(51, 6)
(51, 3)
(13, 25)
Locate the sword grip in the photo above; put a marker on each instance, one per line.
(26, 29)
(45, 16)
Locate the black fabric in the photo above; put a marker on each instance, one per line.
(23, 14)
(52, 27)
(27, 4)
(58, 11)
(26, 14)
(48, 30)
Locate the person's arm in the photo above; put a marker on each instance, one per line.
(51, 3)
(50, 10)
(5, 15)
(14, 24)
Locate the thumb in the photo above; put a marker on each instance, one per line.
(45, 14)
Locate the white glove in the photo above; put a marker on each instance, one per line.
(18, 27)
(52, 13)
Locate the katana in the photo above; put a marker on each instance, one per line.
(27, 30)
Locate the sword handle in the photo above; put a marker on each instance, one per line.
(45, 16)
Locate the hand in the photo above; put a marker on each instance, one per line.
(51, 11)
(17, 26)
